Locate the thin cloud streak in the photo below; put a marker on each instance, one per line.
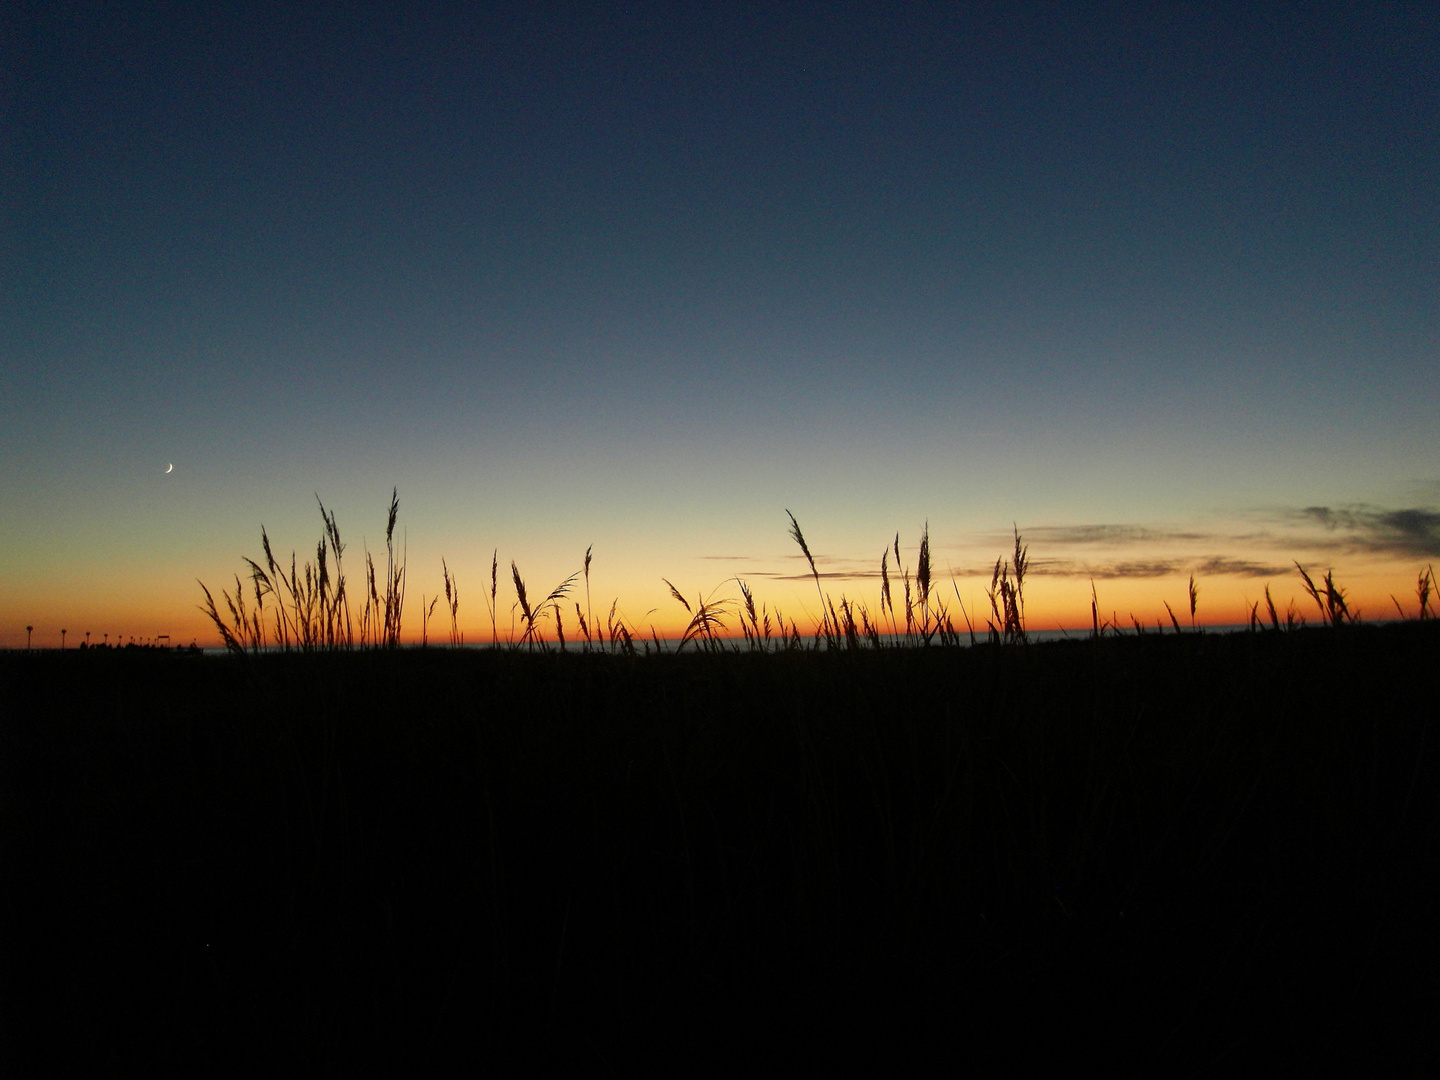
(1220, 565)
(1359, 528)
(1296, 532)
(1063, 535)
(840, 575)
(1215, 566)
(1413, 531)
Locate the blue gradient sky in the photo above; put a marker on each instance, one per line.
(1155, 283)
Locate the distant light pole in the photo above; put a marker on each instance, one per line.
(62, 640)
(28, 631)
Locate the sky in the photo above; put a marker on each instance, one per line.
(1153, 284)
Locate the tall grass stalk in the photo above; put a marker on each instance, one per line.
(381, 622)
(1424, 586)
(531, 616)
(1007, 596)
(707, 619)
(932, 620)
(1270, 606)
(1329, 597)
(452, 601)
(970, 626)
(830, 633)
(886, 600)
(590, 616)
(494, 585)
(305, 607)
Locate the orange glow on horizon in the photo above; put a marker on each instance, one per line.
(147, 608)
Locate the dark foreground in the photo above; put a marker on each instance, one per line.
(1198, 855)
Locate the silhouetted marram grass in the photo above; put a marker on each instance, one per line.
(1424, 586)
(1159, 852)
(307, 607)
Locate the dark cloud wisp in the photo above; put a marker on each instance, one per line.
(1411, 531)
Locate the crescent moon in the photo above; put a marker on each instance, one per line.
(170, 468)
